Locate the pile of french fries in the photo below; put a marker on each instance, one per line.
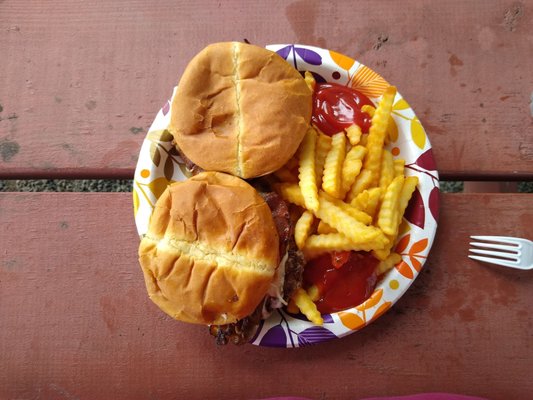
(352, 194)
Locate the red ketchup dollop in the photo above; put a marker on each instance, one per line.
(336, 107)
(344, 279)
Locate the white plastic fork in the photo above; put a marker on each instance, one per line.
(503, 250)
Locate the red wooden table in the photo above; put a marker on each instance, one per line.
(80, 82)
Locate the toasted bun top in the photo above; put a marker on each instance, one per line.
(240, 109)
(211, 249)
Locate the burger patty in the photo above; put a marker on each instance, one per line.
(295, 261)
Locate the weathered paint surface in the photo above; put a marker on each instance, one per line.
(79, 77)
(76, 322)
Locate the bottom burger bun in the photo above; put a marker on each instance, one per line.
(211, 250)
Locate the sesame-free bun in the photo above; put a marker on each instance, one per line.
(211, 249)
(240, 109)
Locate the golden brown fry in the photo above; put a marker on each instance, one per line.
(350, 171)
(374, 196)
(399, 166)
(377, 134)
(408, 188)
(406, 192)
(358, 152)
(307, 173)
(331, 180)
(383, 254)
(361, 200)
(307, 307)
(325, 228)
(291, 192)
(310, 80)
(362, 182)
(356, 231)
(354, 134)
(369, 110)
(388, 215)
(387, 170)
(388, 263)
(329, 207)
(325, 243)
(323, 147)
(351, 167)
(302, 228)
(356, 213)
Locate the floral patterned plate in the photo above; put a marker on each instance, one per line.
(159, 164)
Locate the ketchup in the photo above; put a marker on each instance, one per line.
(345, 286)
(336, 107)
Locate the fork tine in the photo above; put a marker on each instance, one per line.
(513, 249)
(501, 239)
(495, 261)
(510, 256)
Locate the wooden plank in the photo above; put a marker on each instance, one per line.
(77, 323)
(82, 81)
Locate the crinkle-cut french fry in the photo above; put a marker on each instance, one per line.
(383, 254)
(374, 196)
(409, 186)
(323, 146)
(358, 152)
(307, 173)
(313, 292)
(325, 228)
(407, 190)
(354, 134)
(302, 228)
(370, 110)
(388, 263)
(333, 215)
(361, 200)
(388, 215)
(362, 182)
(377, 134)
(307, 307)
(359, 215)
(290, 192)
(332, 176)
(356, 231)
(364, 139)
(399, 166)
(285, 175)
(325, 243)
(352, 167)
(310, 80)
(387, 170)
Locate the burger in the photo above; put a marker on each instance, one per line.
(220, 253)
(240, 109)
(220, 247)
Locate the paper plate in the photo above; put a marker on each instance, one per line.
(159, 164)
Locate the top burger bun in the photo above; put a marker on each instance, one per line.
(211, 250)
(240, 109)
